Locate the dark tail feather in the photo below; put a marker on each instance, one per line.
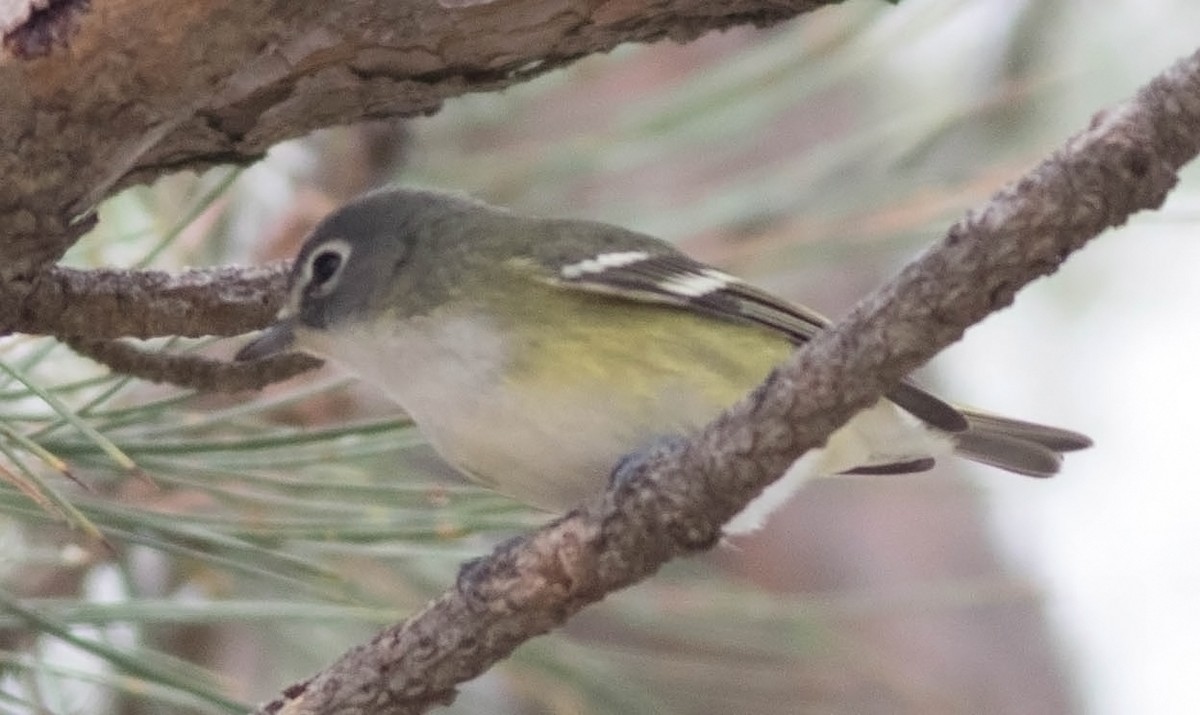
(1022, 447)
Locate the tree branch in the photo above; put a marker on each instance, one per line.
(673, 501)
(193, 371)
(86, 308)
(93, 103)
(111, 303)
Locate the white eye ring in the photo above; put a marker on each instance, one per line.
(324, 267)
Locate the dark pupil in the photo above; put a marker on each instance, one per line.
(324, 266)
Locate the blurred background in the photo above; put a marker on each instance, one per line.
(814, 158)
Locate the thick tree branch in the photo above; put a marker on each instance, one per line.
(673, 501)
(93, 102)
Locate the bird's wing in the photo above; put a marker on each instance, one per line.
(669, 277)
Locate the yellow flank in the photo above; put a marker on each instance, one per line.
(644, 352)
(553, 409)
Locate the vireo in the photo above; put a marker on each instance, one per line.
(534, 353)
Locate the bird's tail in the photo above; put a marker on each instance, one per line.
(876, 433)
(1014, 445)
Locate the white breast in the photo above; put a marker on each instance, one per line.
(437, 369)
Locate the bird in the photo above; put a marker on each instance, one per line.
(535, 353)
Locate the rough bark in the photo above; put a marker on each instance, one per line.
(111, 303)
(673, 500)
(101, 95)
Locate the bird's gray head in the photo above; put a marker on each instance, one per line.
(361, 257)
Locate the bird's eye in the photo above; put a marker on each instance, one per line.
(324, 266)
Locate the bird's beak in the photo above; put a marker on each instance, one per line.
(276, 339)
